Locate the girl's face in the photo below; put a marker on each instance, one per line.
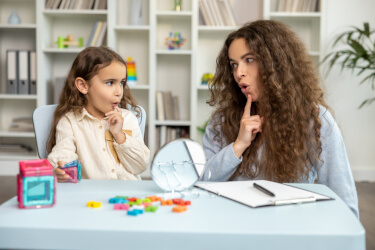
(245, 68)
(105, 89)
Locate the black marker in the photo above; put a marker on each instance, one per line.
(263, 190)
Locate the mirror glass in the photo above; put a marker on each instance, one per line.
(178, 165)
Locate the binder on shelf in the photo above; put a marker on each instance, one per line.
(101, 35)
(96, 34)
(23, 72)
(12, 72)
(32, 72)
(92, 34)
(160, 106)
(246, 193)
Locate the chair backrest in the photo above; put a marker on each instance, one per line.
(141, 119)
(43, 118)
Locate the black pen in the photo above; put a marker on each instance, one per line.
(262, 189)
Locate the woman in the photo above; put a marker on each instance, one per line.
(271, 120)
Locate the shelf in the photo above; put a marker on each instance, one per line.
(17, 134)
(74, 12)
(63, 51)
(295, 14)
(132, 27)
(18, 26)
(172, 123)
(173, 52)
(173, 13)
(17, 97)
(139, 86)
(205, 28)
(203, 87)
(17, 157)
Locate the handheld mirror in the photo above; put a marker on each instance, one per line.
(178, 165)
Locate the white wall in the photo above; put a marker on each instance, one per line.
(344, 94)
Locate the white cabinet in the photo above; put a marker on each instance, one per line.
(16, 37)
(158, 69)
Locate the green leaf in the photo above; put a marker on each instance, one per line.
(367, 101)
(366, 27)
(372, 75)
(357, 47)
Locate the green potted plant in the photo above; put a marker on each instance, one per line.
(357, 54)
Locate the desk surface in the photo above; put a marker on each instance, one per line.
(209, 223)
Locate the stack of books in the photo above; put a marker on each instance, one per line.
(216, 13)
(167, 106)
(22, 124)
(296, 6)
(76, 4)
(165, 134)
(97, 36)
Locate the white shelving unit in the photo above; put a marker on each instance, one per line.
(308, 25)
(158, 69)
(21, 36)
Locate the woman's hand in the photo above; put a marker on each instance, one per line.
(116, 121)
(249, 127)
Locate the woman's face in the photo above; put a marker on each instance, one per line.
(245, 68)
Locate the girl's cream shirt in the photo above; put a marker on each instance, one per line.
(82, 136)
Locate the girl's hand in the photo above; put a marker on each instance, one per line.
(60, 174)
(249, 127)
(116, 121)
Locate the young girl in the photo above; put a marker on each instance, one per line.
(91, 124)
(271, 121)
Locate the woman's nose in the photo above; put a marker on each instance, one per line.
(241, 70)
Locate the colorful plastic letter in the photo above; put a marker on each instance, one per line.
(73, 169)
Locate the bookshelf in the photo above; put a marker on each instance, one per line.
(158, 69)
(308, 23)
(21, 36)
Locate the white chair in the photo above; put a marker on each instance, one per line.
(43, 118)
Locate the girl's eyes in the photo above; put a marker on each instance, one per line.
(249, 60)
(121, 83)
(234, 65)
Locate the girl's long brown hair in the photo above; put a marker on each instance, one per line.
(86, 65)
(289, 102)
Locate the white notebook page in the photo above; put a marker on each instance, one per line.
(245, 193)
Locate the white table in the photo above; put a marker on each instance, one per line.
(209, 223)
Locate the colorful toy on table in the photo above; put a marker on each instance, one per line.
(94, 204)
(174, 41)
(179, 209)
(131, 71)
(121, 206)
(135, 210)
(73, 169)
(207, 78)
(166, 202)
(151, 209)
(63, 42)
(118, 200)
(36, 184)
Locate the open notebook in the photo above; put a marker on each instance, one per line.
(244, 192)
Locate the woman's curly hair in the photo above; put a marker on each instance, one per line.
(289, 102)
